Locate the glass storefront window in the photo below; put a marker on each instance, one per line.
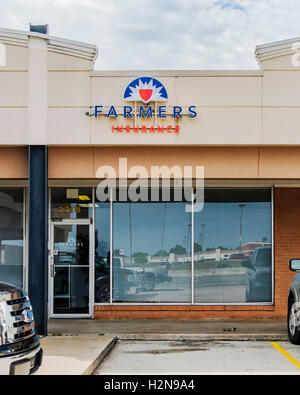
(151, 252)
(102, 252)
(151, 247)
(11, 235)
(233, 244)
(71, 203)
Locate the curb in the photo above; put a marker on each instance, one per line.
(94, 365)
(203, 337)
(192, 336)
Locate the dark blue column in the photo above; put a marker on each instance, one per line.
(38, 234)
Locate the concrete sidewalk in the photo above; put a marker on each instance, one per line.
(74, 355)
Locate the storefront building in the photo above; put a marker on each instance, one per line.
(65, 128)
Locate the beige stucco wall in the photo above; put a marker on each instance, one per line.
(45, 94)
(14, 95)
(283, 61)
(58, 61)
(229, 108)
(16, 58)
(233, 108)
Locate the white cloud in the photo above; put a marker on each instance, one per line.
(163, 34)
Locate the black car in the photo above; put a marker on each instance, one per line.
(124, 282)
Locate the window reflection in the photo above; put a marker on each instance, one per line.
(152, 252)
(102, 252)
(151, 260)
(233, 247)
(11, 235)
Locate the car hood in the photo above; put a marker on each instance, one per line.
(5, 287)
(296, 280)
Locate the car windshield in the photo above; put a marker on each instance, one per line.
(262, 257)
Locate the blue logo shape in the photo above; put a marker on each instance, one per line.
(145, 89)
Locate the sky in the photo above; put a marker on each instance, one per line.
(153, 229)
(163, 34)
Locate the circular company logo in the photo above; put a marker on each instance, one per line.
(145, 89)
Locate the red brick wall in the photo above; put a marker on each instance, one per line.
(287, 242)
(287, 246)
(184, 312)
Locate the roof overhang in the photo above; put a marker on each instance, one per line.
(276, 49)
(55, 44)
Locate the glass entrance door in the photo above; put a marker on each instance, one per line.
(70, 269)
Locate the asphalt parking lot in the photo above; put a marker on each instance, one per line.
(201, 357)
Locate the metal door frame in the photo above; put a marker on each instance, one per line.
(51, 267)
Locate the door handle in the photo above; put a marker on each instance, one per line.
(53, 270)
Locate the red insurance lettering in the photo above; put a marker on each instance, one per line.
(120, 129)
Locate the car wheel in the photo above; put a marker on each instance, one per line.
(293, 332)
(103, 295)
(148, 283)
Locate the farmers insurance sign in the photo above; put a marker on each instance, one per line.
(146, 97)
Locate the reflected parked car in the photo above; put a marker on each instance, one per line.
(258, 280)
(153, 274)
(238, 256)
(148, 275)
(124, 282)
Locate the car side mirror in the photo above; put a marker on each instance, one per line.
(295, 265)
